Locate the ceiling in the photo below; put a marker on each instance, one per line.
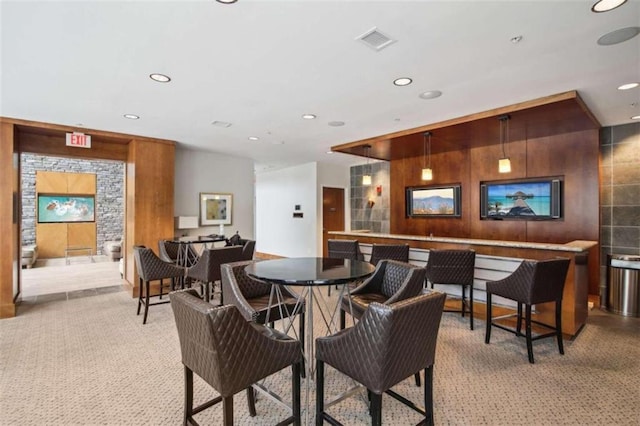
(261, 65)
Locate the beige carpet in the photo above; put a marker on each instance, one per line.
(90, 361)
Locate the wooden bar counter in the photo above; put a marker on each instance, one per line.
(574, 303)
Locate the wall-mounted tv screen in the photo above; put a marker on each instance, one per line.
(532, 199)
(430, 201)
(64, 208)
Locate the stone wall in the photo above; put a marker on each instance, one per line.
(374, 218)
(110, 202)
(619, 193)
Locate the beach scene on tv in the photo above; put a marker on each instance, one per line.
(53, 209)
(519, 199)
(436, 201)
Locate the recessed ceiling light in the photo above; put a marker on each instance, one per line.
(308, 116)
(618, 36)
(606, 5)
(160, 78)
(336, 123)
(636, 117)
(628, 86)
(430, 94)
(402, 81)
(253, 138)
(329, 152)
(221, 124)
(131, 116)
(516, 39)
(226, 1)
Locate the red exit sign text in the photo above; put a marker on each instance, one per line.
(78, 140)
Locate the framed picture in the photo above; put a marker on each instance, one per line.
(65, 208)
(433, 201)
(215, 209)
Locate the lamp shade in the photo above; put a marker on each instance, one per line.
(366, 180)
(186, 222)
(504, 165)
(427, 174)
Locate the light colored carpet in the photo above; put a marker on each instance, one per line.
(90, 361)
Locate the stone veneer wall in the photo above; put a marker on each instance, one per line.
(375, 218)
(110, 202)
(619, 193)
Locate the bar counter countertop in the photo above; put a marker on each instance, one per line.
(574, 303)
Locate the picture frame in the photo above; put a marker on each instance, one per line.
(215, 208)
(434, 201)
(66, 208)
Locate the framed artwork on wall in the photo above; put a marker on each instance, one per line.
(65, 208)
(215, 208)
(433, 201)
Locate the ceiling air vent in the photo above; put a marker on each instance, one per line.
(376, 39)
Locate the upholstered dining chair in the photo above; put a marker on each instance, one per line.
(399, 252)
(168, 251)
(152, 268)
(391, 282)
(253, 300)
(207, 269)
(531, 283)
(211, 348)
(454, 267)
(248, 249)
(390, 343)
(343, 249)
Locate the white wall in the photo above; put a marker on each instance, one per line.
(201, 171)
(277, 194)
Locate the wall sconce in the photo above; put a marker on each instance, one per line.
(427, 173)
(370, 203)
(366, 177)
(504, 164)
(379, 190)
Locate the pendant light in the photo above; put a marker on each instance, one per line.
(427, 173)
(504, 164)
(366, 177)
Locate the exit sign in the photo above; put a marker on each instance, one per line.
(78, 140)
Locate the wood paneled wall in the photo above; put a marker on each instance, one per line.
(573, 155)
(149, 192)
(53, 238)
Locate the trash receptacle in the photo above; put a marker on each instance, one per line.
(623, 289)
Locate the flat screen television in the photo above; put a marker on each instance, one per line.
(433, 201)
(65, 208)
(528, 199)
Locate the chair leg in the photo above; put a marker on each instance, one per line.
(302, 337)
(376, 409)
(139, 295)
(471, 306)
(295, 392)
(161, 287)
(463, 302)
(528, 331)
(487, 333)
(227, 409)
(146, 302)
(428, 394)
(319, 392)
(342, 319)
(519, 319)
(188, 396)
(559, 326)
(251, 401)
(417, 377)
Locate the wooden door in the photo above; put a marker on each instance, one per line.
(332, 213)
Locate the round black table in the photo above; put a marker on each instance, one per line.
(311, 273)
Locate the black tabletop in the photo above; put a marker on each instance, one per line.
(199, 239)
(310, 271)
